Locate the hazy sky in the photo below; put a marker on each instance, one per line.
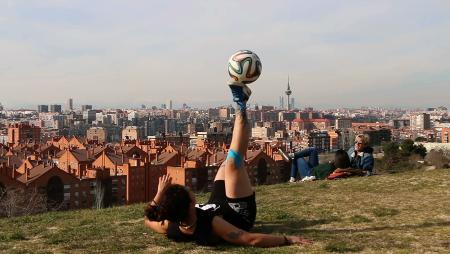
(116, 53)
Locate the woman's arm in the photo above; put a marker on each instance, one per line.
(164, 182)
(234, 235)
(158, 226)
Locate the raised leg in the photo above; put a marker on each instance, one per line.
(313, 157)
(237, 182)
(220, 175)
(311, 153)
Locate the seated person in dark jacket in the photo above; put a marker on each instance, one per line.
(361, 155)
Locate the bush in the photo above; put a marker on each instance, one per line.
(420, 139)
(420, 150)
(407, 147)
(398, 158)
(19, 201)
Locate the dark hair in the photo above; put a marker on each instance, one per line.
(173, 206)
(341, 159)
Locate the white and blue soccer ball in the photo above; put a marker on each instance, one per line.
(244, 67)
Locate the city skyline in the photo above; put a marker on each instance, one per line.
(387, 54)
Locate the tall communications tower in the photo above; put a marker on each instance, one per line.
(288, 93)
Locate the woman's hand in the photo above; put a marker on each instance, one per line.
(297, 240)
(164, 182)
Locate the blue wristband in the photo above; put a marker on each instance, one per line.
(236, 157)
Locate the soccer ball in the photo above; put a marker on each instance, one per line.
(244, 67)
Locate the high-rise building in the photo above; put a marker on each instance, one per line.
(262, 132)
(97, 134)
(42, 108)
(318, 139)
(69, 104)
(286, 116)
(86, 107)
(90, 116)
(132, 133)
(420, 121)
(281, 105)
(343, 123)
(224, 113)
(292, 103)
(169, 104)
(399, 123)
(55, 108)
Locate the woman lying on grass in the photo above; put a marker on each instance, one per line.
(231, 210)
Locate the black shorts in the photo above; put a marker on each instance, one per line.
(241, 212)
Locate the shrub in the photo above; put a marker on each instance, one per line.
(18, 202)
(401, 157)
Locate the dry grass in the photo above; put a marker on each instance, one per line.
(399, 213)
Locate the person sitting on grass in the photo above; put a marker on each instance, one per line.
(343, 167)
(230, 212)
(312, 170)
(361, 155)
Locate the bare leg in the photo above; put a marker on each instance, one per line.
(220, 175)
(237, 182)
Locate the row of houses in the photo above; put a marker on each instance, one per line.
(74, 174)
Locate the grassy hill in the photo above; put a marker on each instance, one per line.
(399, 213)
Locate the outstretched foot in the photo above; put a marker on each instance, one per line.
(241, 94)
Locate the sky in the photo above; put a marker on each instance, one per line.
(127, 53)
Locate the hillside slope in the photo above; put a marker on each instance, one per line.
(400, 213)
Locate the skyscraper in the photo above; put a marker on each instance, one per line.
(292, 103)
(42, 108)
(420, 121)
(86, 107)
(281, 102)
(69, 104)
(55, 108)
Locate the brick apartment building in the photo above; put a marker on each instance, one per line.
(445, 135)
(96, 134)
(23, 133)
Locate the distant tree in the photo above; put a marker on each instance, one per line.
(99, 194)
(407, 147)
(391, 156)
(420, 139)
(390, 149)
(420, 150)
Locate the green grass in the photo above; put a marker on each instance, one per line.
(397, 213)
